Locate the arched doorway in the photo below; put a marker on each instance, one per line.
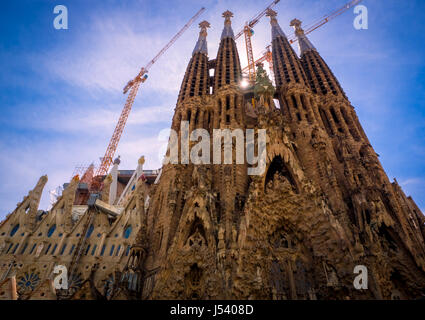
(278, 168)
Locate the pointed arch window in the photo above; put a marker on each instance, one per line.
(51, 231)
(90, 231)
(103, 250)
(14, 230)
(63, 249)
(32, 249)
(10, 246)
(14, 249)
(72, 249)
(127, 232)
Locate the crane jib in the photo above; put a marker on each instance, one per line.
(134, 86)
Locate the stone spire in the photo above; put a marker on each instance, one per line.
(201, 45)
(227, 31)
(228, 67)
(319, 76)
(196, 78)
(303, 42)
(276, 29)
(286, 64)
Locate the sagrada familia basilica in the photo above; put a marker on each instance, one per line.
(323, 205)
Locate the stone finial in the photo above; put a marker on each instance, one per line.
(276, 30)
(204, 25)
(303, 42)
(297, 26)
(271, 13)
(142, 160)
(227, 15)
(201, 44)
(227, 31)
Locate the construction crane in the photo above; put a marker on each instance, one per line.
(310, 28)
(293, 38)
(132, 86)
(248, 32)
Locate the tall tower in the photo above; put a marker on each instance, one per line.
(291, 82)
(207, 230)
(195, 86)
(170, 201)
(299, 106)
(228, 67)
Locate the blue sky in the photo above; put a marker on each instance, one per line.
(61, 90)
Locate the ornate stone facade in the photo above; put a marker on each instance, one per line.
(211, 231)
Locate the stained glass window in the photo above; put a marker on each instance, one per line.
(90, 231)
(28, 281)
(51, 230)
(127, 232)
(63, 249)
(14, 230)
(33, 247)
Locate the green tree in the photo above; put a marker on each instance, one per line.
(263, 89)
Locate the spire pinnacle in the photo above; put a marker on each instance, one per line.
(201, 44)
(303, 42)
(276, 29)
(227, 31)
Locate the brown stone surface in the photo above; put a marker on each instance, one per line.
(323, 206)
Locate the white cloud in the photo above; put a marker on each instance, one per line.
(412, 181)
(100, 61)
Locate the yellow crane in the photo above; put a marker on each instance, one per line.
(248, 32)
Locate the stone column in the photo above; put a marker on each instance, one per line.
(291, 281)
(291, 107)
(300, 107)
(114, 185)
(22, 242)
(13, 289)
(101, 243)
(64, 236)
(331, 120)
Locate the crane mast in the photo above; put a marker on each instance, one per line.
(133, 86)
(247, 31)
